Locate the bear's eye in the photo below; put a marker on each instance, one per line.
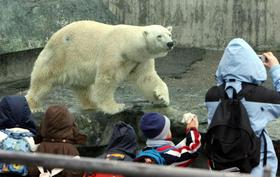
(159, 36)
(169, 35)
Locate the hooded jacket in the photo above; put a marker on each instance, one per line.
(58, 134)
(122, 146)
(122, 141)
(16, 116)
(15, 113)
(241, 68)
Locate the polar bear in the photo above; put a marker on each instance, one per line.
(93, 58)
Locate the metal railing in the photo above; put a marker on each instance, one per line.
(127, 169)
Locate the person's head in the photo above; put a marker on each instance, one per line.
(122, 144)
(15, 113)
(240, 63)
(155, 126)
(58, 123)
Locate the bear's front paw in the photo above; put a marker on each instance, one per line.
(112, 108)
(161, 98)
(33, 104)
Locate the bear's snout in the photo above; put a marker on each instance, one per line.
(170, 44)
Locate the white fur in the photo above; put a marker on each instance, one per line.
(94, 58)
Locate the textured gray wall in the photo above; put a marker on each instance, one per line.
(207, 23)
(27, 24)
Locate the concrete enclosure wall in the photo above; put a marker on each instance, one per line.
(29, 24)
(207, 23)
(197, 23)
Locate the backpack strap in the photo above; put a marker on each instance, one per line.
(224, 93)
(245, 88)
(265, 148)
(241, 94)
(221, 91)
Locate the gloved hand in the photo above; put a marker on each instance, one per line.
(190, 120)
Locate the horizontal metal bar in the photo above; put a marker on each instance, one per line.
(108, 166)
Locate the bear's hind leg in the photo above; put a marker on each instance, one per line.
(84, 96)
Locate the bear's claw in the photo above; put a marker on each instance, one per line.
(160, 98)
(35, 110)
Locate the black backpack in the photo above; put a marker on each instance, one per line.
(230, 140)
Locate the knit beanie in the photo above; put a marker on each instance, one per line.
(155, 125)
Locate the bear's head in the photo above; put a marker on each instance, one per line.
(158, 40)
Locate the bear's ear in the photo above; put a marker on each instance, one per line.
(145, 33)
(169, 28)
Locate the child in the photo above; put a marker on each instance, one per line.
(58, 134)
(156, 128)
(122, 143)
(17, 129)
(122, 146)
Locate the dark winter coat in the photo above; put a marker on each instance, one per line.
(123, 141)
(58, 134)
(15, 113)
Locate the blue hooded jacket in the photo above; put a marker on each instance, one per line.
(15, 112)
(239, 66)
